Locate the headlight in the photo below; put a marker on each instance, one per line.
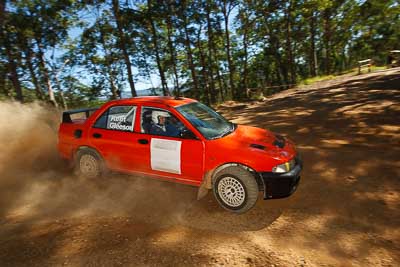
(284, 167)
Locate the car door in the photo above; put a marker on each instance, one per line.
(113, 135)
(170, 155)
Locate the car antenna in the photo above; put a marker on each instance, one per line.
(177, 96)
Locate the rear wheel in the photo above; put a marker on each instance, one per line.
(235, 189)
(89, 164)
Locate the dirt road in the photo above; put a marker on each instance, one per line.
(346, 211)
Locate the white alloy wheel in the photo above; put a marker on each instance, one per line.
(89, 166)
(235, 189)
(231, 191)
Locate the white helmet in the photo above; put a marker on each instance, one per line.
(156, 113)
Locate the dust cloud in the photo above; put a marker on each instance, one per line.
(28, 146)
(35, 184)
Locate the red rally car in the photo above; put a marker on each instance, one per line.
(184, 141)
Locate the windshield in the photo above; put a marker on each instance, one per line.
(207, 121)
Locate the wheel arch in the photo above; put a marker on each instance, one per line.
(101, 167)
(241, 178)
(210, 175)
(76, 151)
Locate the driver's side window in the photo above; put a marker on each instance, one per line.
(158, 121)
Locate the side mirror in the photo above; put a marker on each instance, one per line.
(187, 134)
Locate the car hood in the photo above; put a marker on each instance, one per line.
(257, 139)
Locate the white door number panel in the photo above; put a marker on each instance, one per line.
(165, 155)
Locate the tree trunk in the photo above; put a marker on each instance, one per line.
(191, 64)
(11, 60)
(38, 89)
(157, 50)
(112, 84)
(3, 84)
(210, 53)
(122, 43)
(2, 12)
(327, 39)
(245, 63)
(280, 68)
(313, 52)
(64, 102)
(14, 75)
(158, 59)
(45, 72)
(290, 61)
(203, 68)
(172, 50)
(231, 67)
(12, 67)
(189, 55)
(113, 88)
(221, 83)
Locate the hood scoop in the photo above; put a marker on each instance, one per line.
(279, 141)
(257, 146)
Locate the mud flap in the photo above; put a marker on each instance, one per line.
(205, 186)
(202, 192)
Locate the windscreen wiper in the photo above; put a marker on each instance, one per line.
(228, 131)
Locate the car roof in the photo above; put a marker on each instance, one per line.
(166, 100)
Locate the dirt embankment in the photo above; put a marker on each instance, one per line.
(345, 212)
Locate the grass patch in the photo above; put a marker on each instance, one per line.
(316, 79)
(373, 68)
(354, 71)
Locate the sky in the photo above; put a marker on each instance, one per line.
(141, 83)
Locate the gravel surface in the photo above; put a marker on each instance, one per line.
(346, 211)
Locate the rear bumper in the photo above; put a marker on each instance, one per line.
(280, 185)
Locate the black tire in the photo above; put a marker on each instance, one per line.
(89, 164)
(235, 189)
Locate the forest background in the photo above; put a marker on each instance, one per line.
(79, 53)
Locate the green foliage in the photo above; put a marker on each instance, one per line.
(211, 50)
(317, 79)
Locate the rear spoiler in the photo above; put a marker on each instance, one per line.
(66, 117)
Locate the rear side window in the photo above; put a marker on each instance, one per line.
(120, 118)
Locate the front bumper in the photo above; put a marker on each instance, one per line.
(280, 185)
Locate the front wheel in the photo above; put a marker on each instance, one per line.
(235, 189)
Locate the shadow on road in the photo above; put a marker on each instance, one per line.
(348, 134)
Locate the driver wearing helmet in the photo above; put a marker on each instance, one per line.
(161, 126)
